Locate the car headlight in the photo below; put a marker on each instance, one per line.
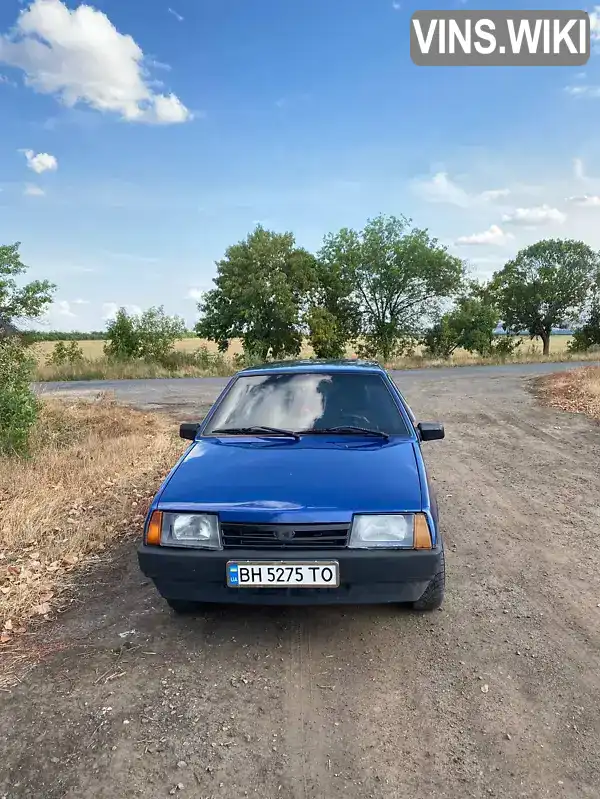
(386, 532)
(191, 530)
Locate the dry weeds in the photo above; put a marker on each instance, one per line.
(94, 468)
(576, 392)
(94, 350)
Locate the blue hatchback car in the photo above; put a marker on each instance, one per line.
(304, 484)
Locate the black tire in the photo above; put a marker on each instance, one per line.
(433, 596)
(184, 606)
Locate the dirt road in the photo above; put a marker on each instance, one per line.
(497, 695)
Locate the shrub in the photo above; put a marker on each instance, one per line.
(328, 337)
(63, 354)
(18, 403)
(150, 335)
(586, 337)
(440, 340)
(201, 359)
(122, 340)
(505, 346)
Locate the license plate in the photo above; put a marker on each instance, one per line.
(315, 574)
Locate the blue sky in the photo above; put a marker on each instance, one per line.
(139, 138)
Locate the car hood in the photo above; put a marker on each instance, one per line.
(284, 480)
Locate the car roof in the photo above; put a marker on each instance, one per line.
(314, 365)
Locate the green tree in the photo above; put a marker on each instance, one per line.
(25, 302)
(18, 403)
(544, 285)
(157, 333)
(327, 334)
(122, 339)
(63, 354)
(332, 319)
(397, 275)
(151, 335)
(469, 326)
(587, 335)
(260, 295)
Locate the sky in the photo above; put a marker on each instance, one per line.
(138, 140)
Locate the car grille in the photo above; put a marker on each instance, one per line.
(284, 536)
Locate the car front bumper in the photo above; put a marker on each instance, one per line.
(366, 576)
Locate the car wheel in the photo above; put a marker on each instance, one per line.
(181, 606)
(433, 596)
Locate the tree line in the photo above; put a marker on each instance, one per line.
(390, 287)
(384, 290)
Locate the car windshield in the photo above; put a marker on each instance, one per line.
(307, 401)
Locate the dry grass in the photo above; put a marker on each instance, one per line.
(93, 350)
(103, 369)
(461, 358)
(94, 467)
(189, 361)
(575, 392)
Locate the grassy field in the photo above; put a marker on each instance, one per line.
(94, 467)
(96, 367)
(93, 350)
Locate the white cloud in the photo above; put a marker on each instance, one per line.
(81, 302)
(396, 6)
(167, 109)
(589, 91)
(63, 308)
(109, 310)
(31, 190)
(441, 189)
(494, 235)
(578, 169)
(494, 194)
(595, 23)
(532, 217)
(79, 56)
(585, 201)
(40, 162)
(177, 16)
(195, 294)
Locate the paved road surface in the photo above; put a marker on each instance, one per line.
(495, 696)
(178, 395)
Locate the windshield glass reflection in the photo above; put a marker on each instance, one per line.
(309, 401)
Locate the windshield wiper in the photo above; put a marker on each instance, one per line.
(241, 431)
(347, 428)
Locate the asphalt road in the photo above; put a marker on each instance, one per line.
(180, 395)
(494, 696)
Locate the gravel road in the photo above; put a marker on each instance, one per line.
(494, 696)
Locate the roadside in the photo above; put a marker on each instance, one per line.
(575, 392)
(199, 358)
(493, 696)
(93, 469)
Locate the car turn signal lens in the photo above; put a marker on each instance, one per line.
(154, 528)
(422, 534)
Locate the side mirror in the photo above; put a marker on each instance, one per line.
(431, 431)
(188, 430)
